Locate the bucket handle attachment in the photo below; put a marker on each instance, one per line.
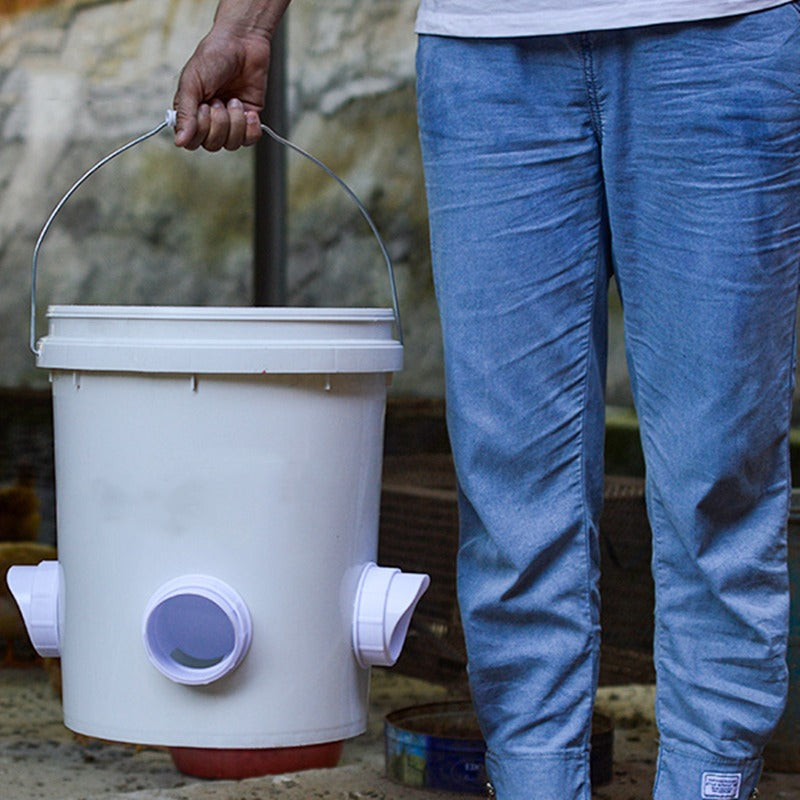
(170, 121)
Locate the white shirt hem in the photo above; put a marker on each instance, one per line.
(625, 15)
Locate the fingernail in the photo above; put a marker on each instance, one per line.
(235, 103)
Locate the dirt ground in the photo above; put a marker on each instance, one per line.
(41, 760)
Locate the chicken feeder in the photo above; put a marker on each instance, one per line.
(218, 487)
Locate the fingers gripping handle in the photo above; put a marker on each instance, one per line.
(171, 121)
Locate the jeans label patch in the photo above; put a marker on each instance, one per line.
(721, 785)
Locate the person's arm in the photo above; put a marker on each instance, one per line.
(221, 88)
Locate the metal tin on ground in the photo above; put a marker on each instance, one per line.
(436, 746)
(440, 746)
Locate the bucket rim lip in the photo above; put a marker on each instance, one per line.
(221, 313)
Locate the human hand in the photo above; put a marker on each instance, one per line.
(221, 89)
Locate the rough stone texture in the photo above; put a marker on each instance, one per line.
(76, 80)
(41, 760)
(351, 96)
(158, 226)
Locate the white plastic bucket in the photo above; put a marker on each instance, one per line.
(240, 444)
(218, 487)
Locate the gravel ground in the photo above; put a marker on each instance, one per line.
(41, 760)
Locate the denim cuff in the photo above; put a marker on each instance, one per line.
(540, 776)
(700, 775)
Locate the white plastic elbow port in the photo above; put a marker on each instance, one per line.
(196, 629)
(37, 591)
(385, 601)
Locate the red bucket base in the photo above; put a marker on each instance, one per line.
(232, 764)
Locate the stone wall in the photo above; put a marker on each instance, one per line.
(79, 77)
(161, 226)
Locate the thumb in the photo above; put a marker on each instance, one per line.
(186, 104)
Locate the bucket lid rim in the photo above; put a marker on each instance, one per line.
(278, 313)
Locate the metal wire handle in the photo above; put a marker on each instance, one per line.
(364, 213)
(60, 205)
(169, 121)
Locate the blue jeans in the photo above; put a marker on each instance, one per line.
(670, 156)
